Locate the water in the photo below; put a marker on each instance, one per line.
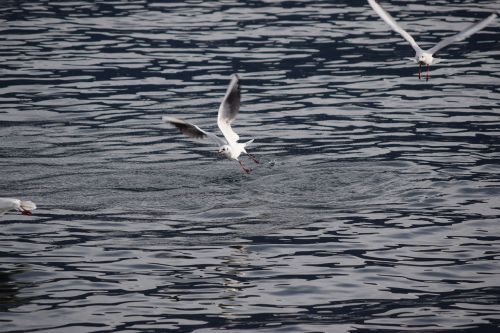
(375, 208)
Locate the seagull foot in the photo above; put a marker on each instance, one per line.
(247, 171)
(254, 159)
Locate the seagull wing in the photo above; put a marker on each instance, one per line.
(28, 205)
(6, 204)
(229, 109)
(192, 131)
(462, 34)
(390, 21)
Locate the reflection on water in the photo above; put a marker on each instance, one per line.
(376, 206)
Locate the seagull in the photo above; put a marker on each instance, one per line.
(228, 110)
(426, 57)
(25, 207)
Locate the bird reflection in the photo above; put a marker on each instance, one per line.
(235, 267)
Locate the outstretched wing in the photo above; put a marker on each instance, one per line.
(393, 24)
(463, 34)
(7, 204)
(192, 130)
(229, 109)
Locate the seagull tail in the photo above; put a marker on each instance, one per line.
(248, 143)
(28, 205)
(244, 145)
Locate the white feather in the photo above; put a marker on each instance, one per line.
(394, 25)
(228, 110)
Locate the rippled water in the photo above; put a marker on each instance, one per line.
(375, 208)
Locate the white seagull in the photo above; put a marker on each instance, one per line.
(228, 110)
(426, 57)
(25, 207)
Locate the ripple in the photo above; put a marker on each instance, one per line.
(374, 208)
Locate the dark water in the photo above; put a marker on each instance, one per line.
(376, 206)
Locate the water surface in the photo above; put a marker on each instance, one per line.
(375, 207)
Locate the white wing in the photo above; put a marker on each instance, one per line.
(229, 109)
(390, 21)
(28, 205)
(463, 34)
(6, 204)
(191, 130)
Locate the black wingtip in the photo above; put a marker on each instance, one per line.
(185, 128)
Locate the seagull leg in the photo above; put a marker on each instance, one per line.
(419, 70)
(427, 79)
(253, 158)
(25, 212)
(244, 169)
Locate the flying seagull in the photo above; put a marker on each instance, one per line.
(25, 207)
(228, 110)
(426, 57)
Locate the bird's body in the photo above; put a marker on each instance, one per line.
(25, 207)
(423, 58)
(233, 150)
(426, 57)
(228, 110)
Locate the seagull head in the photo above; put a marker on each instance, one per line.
(226, 151)
(424, 58)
